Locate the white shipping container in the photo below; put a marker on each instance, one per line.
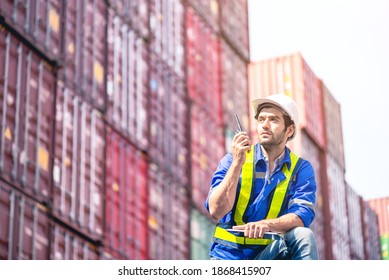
(78, 173)
(338, 210)
(127, 85)
(354, 213)
(168, 32)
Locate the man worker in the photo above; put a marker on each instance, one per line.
(264, 188)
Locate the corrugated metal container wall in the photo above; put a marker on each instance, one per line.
(381, 207)
(234, 88)
(209, 10)
(371, 232)
(126, 227)
(311, 152)
(169, 123)
(135, 12)
(207, 149)
(203, 66)
(338, 208)
(78, 174)
(202, 230)
(38, 21)
(84, 44)
(67, 245)
(333, 126)
(355, 224)
(24, 227)
(291, 75)
(169, 217)
(127, 81)
(26, 101)
(234, 24)
(167, 27)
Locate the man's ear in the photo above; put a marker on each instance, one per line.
(290, 131)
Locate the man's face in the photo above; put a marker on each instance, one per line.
(271, 128)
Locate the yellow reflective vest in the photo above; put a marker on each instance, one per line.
(221, 235)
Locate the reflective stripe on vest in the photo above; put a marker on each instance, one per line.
(244, 198)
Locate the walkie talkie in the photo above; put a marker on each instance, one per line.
(240, 129)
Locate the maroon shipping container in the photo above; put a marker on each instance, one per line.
(24, 228)
(292, 76)
(203, 66)
(126, 223)
(26, 117)
(234, 25)
(38, 21)
(67, 245)
(135, 12)
(169, 123)
(207, 149)
(355, 218)
(84, 44)
(127, 84)
(78, 193)
(381, 208)
(168, 31)
(209, 10)
(311, 152)
(169, 217)
(338, 209)
(371, 234)
(333, 126)
(234, 88)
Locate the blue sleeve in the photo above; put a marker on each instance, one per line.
(302, 196)
(219, 175)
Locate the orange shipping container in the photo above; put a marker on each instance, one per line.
(381, 207)
(292, 76)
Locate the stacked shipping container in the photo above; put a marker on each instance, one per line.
(339, 221)
(381, 207)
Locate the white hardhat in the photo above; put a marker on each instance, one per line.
(283, 102)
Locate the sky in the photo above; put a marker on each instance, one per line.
(346, 44)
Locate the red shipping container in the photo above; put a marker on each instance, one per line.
(207, 149)
(169, 122)
(127, 84)
(234, 25)
(203, 66)
(169, 217)
(84, 44)
(126, 227)
(354, 213)
(209, 10)
(26, 117)
(67, 245)
(168, 32)
(292, 76)
(24, 226)
(371, 234)
(234, 88)
(333, 126)
(38, 21)
(136, 12)
(78, 172)
(381, 208)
